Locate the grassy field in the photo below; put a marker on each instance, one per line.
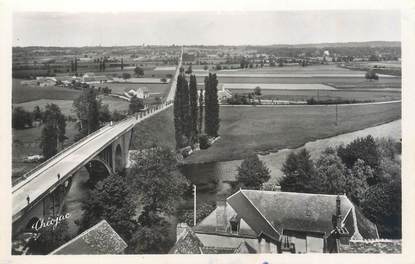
(26, 143)
(66, 105)
(330, 68)
(356, 81)
(157, 129)
(23, 93)
(246, 130)
(303, 95)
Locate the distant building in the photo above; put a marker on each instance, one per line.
(98, 240)
(141, 93)
(91, 78)
(45, 81)
(252, 221)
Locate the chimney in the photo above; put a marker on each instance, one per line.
(221, 215)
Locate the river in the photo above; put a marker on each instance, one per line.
(213, 179)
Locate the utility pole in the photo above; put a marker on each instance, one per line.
(194, 205)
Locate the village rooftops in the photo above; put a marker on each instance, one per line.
(99, 239)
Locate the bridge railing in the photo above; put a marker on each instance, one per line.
(26, 176)
(46, 162)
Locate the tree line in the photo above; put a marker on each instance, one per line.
(195, 112)
(368, 171)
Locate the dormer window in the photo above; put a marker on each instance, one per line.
(234, 223)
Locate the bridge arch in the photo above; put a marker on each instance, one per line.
(97, 170)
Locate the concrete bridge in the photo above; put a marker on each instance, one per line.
(41, 193)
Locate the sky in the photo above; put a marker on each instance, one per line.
(81, 28)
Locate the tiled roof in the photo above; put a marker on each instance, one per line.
(215, 250)
(244, 248)
(294, 211)
(188, 243)
(251, 213)
(223, 241)
(208, 224)
(99, 239)
(372, 246)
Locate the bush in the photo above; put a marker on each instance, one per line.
(252, 173)
(371, 75)
(382, 204)
(126, 75)
(204, 141)
(117, 116)
(202, 211)
(21, 118)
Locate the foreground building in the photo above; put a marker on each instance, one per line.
(99, 239)
(252, 221)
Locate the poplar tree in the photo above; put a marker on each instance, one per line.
(211, 106)
(187, 122)
(193, 107)
(201, 108)
(178, 118)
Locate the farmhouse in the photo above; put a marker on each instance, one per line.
(141, 93)
(45, 81)
(252, 221)
(91, 78)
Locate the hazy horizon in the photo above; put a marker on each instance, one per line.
(204, 28)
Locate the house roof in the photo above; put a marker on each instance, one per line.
(99, 239)
(372, 246)
(188, 243)
(209, 223)
(244, 247)
(294, 211)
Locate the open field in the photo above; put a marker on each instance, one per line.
(310, 69)
(246, 130)
(25, 93)
(26, 143)
(66, 105)
(393, 82)
(277, 86)
(303, 95)
(157, 129)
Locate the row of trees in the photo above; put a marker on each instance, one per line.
(188, 116)
(367, 171)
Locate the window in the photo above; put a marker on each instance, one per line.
(234, 227)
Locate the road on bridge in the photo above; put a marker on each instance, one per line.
(45, 177)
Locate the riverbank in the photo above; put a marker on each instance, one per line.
(248, 130)
(212, 178)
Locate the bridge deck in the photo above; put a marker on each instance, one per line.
(65, 163)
